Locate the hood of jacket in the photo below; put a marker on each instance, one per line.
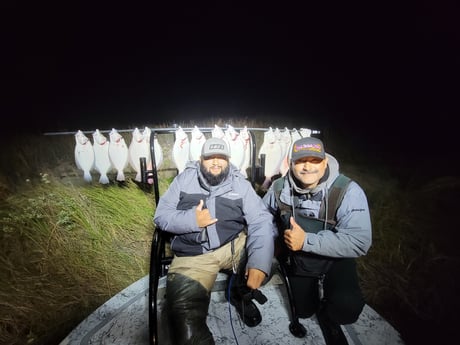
(317, 193)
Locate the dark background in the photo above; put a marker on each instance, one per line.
(387, 74)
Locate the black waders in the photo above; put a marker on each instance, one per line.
(187, 306)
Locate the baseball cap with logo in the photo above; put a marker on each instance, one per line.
(215, 146)
(307, 147)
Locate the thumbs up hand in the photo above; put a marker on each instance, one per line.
(294, 237)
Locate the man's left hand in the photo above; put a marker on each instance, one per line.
(255, 278)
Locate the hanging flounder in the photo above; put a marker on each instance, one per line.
(273, 156)
(102, 162)
(118, 153)
(285, 141)
(196, 143)
(84, 155)
(246, 138)
(218, 132)
(181, 149)
(236, 145)
(305, 132)
(157, 149)
(139, 147)
(295, 135)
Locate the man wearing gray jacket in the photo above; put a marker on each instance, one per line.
(218, 223)
(324, 224)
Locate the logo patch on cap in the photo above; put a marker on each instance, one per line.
(308, 147)
(213, 147)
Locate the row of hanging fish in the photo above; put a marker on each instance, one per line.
(275, 146)
(104, 156)
(185, 150)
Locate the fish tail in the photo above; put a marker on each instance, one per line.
(120, 176)
(104, 179)
(87, 176)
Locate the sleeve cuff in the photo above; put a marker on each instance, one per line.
(310, 241)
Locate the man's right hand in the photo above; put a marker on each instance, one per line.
(203, 217)
(294, 237)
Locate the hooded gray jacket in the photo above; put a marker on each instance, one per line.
(354, 232)
(233, 202)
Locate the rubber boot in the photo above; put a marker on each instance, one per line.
(332, 332)
(187, 306)
(241, 300)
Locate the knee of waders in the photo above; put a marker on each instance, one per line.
(344, 309)
(185, 292)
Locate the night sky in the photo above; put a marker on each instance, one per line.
(388, 73)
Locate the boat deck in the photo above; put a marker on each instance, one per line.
(124, 320)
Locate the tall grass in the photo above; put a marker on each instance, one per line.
(67, 246)
(64, 251)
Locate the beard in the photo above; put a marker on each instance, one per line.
(214, 180)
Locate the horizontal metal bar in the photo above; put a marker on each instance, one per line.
(173, 129)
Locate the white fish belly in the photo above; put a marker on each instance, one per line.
(84, 157)
(101, 158)
(158, 151)
(136, 151)
(273, 156)
(237, 152)
(195, 148)
(118, 153)
(180, 155)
